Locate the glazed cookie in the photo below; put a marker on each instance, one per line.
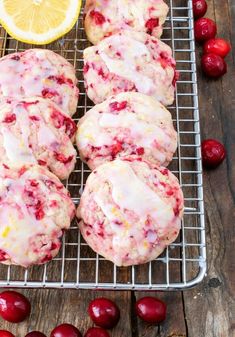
(127, 124)
(39, 72)
(130, 61)
(36, 130)
(35, 209)
(130, 211)
(106, 17)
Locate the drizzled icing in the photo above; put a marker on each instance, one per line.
(130, 61)
(32, 136)
(25, 239)
(127, 64)
(143, 123)
(134, 196)
(29, 76)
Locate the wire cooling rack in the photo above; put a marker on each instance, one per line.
(183, 264)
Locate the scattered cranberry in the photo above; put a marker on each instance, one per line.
(96, 332)
(151, 310)
(5, 333)
(199, 8)
(205, 29)
(14, 307)
(213, 65)
(104, 313)
(213, 153)
(66, 330)
(35, 334)
(219, 47)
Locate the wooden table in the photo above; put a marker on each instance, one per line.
(209, 309)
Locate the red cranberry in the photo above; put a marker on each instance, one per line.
(98, 18)
(104, 313)
(213, 65)
(35, 334)
(151, 310)
(219, 47)
(151, 24)
(205, 29)
(96, 332)
(14, 307)
(5, 333)
(65, 330)
(213, 153)
(199, 8)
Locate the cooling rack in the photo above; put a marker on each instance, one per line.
(183, 264)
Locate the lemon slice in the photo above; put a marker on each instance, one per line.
(38, 21)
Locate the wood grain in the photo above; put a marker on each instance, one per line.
(207, 310)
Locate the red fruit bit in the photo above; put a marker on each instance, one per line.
(10, 118)
(15, 57)
(61, 80)
(140, 151)
(27, 104)
(151, 24)
(213, 153)
(3, 255)
(151, 310)
(53, 203)
(165, 60)
(35, 334)
(102, 74)
(97, 17)
(5, 333)
(115, 149)
(5, 166)
(60, 121)
(219, 47)
(86, 68)
(22, 170)
(199, 8)
(164, 171)
(34, 118)
(176, 78)
(42, 162)
(39, 214)
(118, 106)
(14, 307)
(65, 330)
(205, 29)
(61, 158)
(104, 313)
(213, 65)
(34, 183)
(47, 93)
(96, 332)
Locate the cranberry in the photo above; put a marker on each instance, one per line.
(118, 106)
(98, 17)
(151, 310)
(219, 47)
(205, 29)
(213, 153)
(14, 307)
(5, 333)
(104, 313)
(199, 8)
(213, 65)
(66, 330)
(10, 118)
(96, 332)
(62, 158)
(151, 24)
(35, 334)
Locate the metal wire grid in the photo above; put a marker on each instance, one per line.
(183, 264)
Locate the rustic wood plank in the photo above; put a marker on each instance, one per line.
(210, 307)
(53, 307)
